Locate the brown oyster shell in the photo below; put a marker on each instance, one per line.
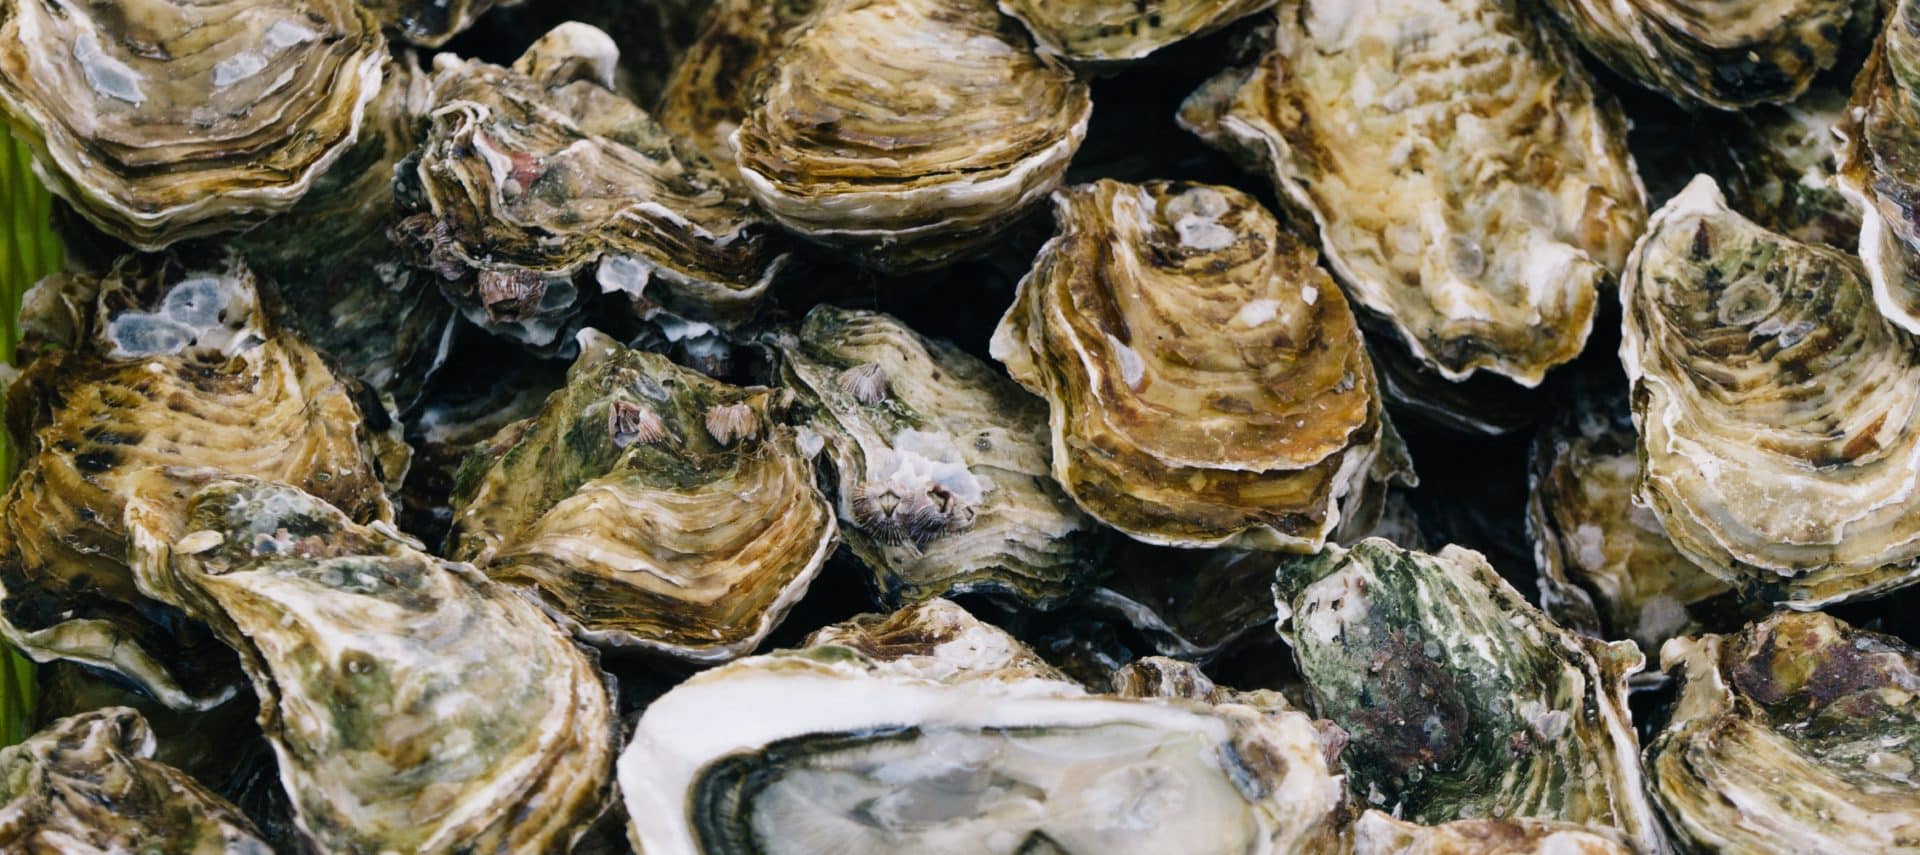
(1111, 31)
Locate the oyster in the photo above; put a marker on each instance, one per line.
(971, 760)
(413, 705)
(942, 464)
(88, 783)
(1779, 429)
(1188, 603)
(1105, 31)
(1781, 169)
(907, 132)
(1261, 433)
(1461, 699)
(649, 506)
(1378, 833)
(1794, 735)
(1727, 55)
(1878, 168)
(161, 120)
(711, 89)
(938, 640)
(1450, 205)
(1161, 677)
(166, 365)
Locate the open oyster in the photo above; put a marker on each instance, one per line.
(878, 754)
(164, 367)
(1414, 131)
(649, 506)
(1799, 734)
(1262, 432)
(1378, 833)
(1105, 31)
(1461, 699)
(1729, 54)
(908, 132)
(413, 705)
(1778, 423)
(1878, 165)
(88, 783)
(942, 464)
(161, 120)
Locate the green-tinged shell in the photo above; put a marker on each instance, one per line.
(908, 133)
(413, 705)
(649, 506)
(161, 120)
(1779, 168)
(943, 478)
(1113, 31)
(1778, 414)
(1798, 734)
(1880, 164)
(1460, 698)
(1262, 431)
(1378, 833)
(88, 783)
(165, 367)
(1471, 184)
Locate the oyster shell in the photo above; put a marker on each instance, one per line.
(649, 506)
(430, 22)
(88, 783)
(1461, 699)
(938, 640)
(1877, 165)
(1799, 698)
(922, 762)
(711, 89)
(1378, 833)
(413, 705)
(908, 132)
(943, 476)
(1108, 31)
(1778, 426)
(1262, 433)
(1448, 205)
(161, 120)
(1783, 169)
(165, 366)
(1162, 677)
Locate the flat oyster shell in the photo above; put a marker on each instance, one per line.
(944, 483)
(161, 120)
(1461, 699)
(166, 366)
(944, 127)
(1261, 433)
(1779, 427)
(413, 705)
(1379, 833)
(649, 506)
(1472, 185)
(1877, 165)
(1797, 734)
(88, 783)
(1112, 31)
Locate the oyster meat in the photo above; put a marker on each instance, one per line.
(1109, 31)
(1471, 184)
(1779, 413)
(1260, 432)
(160, 120)
(649, 506)
(1879, 169)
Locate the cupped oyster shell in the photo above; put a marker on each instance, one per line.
(1207, 384)
(1113, 31)
(1380, 833)
(1878, 170)
(711, 89)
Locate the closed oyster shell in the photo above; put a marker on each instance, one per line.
(1462, 700)
(944, 483)
(1378, 833)
(161, 120)
(908, 132)
(649, 506)
(1779, 426)
(1472, 185)
(1110, 31)
(712, 88)
(1261, 433)
(1878, 168)
(1797, 734)
(88, 783)
(165, 367)
(413, 705)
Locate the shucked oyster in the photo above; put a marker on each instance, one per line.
(870, 753)
(165, 366)
(1728, 54)
(649, 506)
(161, 120)
(1779, 425)
(1879, 169)
(1799, 734)
(1119, 30)
(942, 464)
(413, 705)
(908, 132)
(1208, 385)
(1461, 699)
(89, 783)
(1472, 186)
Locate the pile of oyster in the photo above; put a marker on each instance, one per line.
(847, 426)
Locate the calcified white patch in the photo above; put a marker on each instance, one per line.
(206, 311)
